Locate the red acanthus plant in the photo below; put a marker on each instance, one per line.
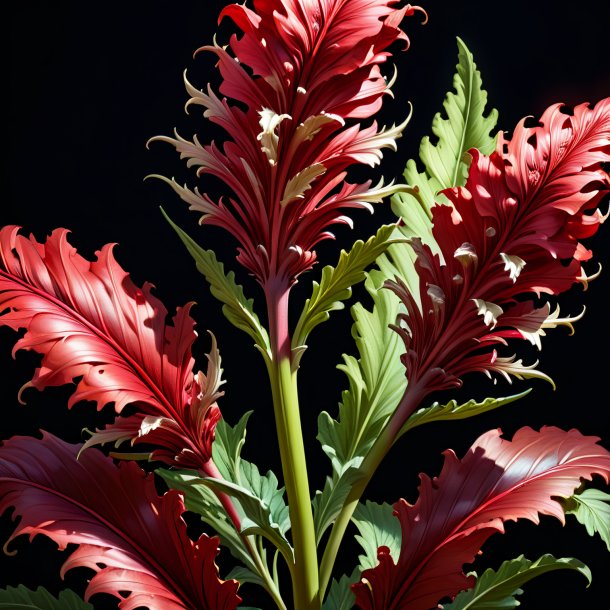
(486, 236)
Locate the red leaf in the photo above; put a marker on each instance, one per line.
(497, 481)
(300, 69)
(135, 540)
(89, 320)
(514, 230)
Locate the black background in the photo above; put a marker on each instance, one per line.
(88, 83)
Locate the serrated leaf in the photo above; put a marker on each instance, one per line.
(378, 527)
(14, 598)
(446, 163)
(376, 381)
(264, 510)
(327, 503)
(592, 508)
(134, 540)
(497, 590)
(336, 282)
(226, 449)
(202, 501)
(340, 595)
(453, 410)
(495, 482)
(238, 309)
(465, 127)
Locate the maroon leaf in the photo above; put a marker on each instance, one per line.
(135, 540)
(90, 321)
(497, 481)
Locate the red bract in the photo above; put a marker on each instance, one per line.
(135, 540)
(514, 229)
(497, 481)
(89, 320)
(313, 65)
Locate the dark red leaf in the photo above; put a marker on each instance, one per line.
(135, 540)
(496, 481)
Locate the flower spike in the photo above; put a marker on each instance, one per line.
(287, 151)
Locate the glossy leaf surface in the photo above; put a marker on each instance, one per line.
(496, 481)
(133, 539)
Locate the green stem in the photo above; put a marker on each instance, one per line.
(292, 452)
(410, 401)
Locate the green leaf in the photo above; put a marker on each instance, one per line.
(340, 595)
(202, 501)
(236, 307)
(243, 575)
(497, 590)
(327, 503)
(378, 527)
(22, 598)
(446, 162)
(227, 446)
(465, 127)
(592, 509)
(453, 410)
(264, 509)
(336, 282)
(376, 381)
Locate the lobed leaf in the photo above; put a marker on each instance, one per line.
(14, 598)
(497, 589)
(378, 527)
(465, 127)
(327, 504)
(92, 323)
(336, 282)
(238, 309)
(591, 507)
(135, 540)
(496, 481)
(376, 382)
(202, 501)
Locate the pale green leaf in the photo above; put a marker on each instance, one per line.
(327, 504)
(243, 575)
(592, 509)
(378, 527)
(453, 410)
(264, 509)
(376, 381)
(465, 127)
(227, 446)
(202, 501)
(22, 598)
(340, 595)
(336, 282)
(446, 162)
(238, 309)
(497, 590)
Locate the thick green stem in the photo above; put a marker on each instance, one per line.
(410, 401)
(292, 452)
